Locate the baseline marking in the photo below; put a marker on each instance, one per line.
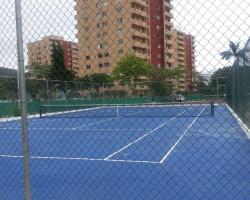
(140, 138)
(173, 147)
(81, 159)
(74, 129)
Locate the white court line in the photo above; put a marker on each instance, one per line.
(239, 121)
(74, 129)
(81, 159)
(173, 147)
(140, 138)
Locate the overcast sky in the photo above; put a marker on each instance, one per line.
(213, 23)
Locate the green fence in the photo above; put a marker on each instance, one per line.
(238, 90)
(11, 109)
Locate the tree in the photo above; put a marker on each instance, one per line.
(132, 69)
(8, 84)
(233, 52)
(219, 77)
(8, 88)
(203, 85)
(96, 81)
(58, 69)
(163, 81)
(38, 71)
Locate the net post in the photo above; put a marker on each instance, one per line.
(40, 111)
(117, 111)
(212, 108)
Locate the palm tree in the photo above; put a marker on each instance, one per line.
(234, 52)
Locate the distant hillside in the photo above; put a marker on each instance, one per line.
(8, 72)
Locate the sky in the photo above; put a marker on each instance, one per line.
(213, 23)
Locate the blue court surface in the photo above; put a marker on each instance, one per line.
(171, 158)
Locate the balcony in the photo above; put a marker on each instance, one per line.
(181, 53)
(140, 45)
(169, 42)
(140, 23)
(170, 60)
(168, 14)
(180, 48)
(168, 33)
(167, 4)
(139, 12)
(169, 51)
(141, 55)
(168, 24)
(139, 2)
(139, 34)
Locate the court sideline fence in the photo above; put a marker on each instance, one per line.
(124, 99)
(238, 91)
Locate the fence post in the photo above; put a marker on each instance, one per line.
(23, 100)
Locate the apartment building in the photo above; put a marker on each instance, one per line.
(183, 55)
(40, 51)
(108, 29)
(190, 62)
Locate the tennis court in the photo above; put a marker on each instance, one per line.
(175, 152)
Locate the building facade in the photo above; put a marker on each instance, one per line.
(184, 56)
(109, 29)
(40, 51)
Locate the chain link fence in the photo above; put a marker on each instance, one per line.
(124, 99)
(239, 87)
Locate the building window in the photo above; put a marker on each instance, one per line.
(102, 45)
(99, 55)
(101, 4)
(104, 34)
(102, 25)
(106, 64)
(86, 29)
(120, 41)
(100, 65)
(119, 20)
(87, 57)
(85, 19)
(120, 51)
(118, 10)
(106, 54)
(101, 14)
(119, 31)
(88, 66)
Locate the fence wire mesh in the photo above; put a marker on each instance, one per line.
(126, 99)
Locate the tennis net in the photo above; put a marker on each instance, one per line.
(183, 109)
